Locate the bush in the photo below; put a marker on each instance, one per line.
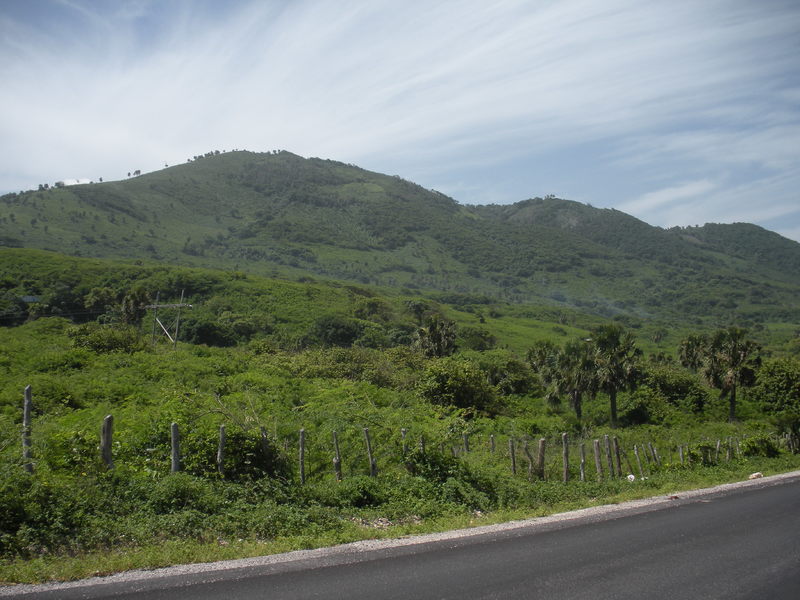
(335, 330)
(456, 382)
(760, 445)
(107, 338)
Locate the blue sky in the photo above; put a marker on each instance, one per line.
(679, 112)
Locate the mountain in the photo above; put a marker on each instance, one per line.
(279, 214)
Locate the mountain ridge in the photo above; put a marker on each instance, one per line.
(279, 214)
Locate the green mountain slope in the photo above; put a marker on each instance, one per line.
(279, 214)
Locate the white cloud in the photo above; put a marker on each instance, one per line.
(656, 200)
(670, 94)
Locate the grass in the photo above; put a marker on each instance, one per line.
(575, 495)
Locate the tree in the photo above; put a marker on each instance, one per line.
(133, 309)
(730, 362)
(576, 373)
(616, 359)
(570, 371)
(692, 352)
(778, 391)
(437, 337)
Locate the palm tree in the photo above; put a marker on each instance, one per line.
(438, 337)
(692, 351)
(577, 373)
(730, 362)
(616, 362)
(566, 372)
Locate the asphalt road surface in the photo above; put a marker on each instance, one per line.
(737, 542)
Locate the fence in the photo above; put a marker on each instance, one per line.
(555, 457)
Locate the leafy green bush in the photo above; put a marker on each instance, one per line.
(760, 445)
(457, 382)
(107, 338)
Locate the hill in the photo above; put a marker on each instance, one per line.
(279, 214)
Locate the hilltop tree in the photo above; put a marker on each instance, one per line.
(616, 359)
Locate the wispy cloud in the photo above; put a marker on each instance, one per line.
(643, 98)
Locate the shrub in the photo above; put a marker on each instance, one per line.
(457, 382)
(760, 445)
(107, 338)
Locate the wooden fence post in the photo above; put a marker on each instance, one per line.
(106, 435)
(27, 407)
(540, 458)
(627, 460)
(513, 456)
(422, 445)
(373, 465)
(565, 456)
(337, 458)
(638, 461)
(716, 453)
(583, 461)
(654, 452)
(615, 442)
(598, 463)
(465, 439)
(529, 458)
(302, 456)
(491, 443)
(221, 451)
(609, 460)
(175, 444)
(680, 453)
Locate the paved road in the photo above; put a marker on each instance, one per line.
(742, 543)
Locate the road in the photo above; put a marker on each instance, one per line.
(736, 543)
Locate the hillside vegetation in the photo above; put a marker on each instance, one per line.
(282, 215)
(418, 351)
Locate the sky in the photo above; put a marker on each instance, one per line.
(679, 113)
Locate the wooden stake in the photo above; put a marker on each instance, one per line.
(175, 444)
(565, 456)
(27, 407)
(528, 456)
(465, 439)
(491, 443)
(106, 435)
(337, 458)
(373, 465)
(615, 443)
(302, 456)
(609, 460)
(598, 463)
(221, 451)
(513, 456)
(540, 458)
(638, 461)
(583, 461)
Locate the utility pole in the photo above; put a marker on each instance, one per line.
(172, 336)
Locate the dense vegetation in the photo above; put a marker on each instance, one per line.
(281, 215)
(332, 300)
(268, 357)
